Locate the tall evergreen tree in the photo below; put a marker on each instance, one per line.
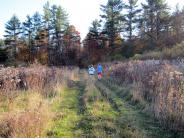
(113, 19)
(154, 12)
(59, 23)
(177, 22)
(93, 43)
(131, 18)
(37, 23)
(95, 29)
(47, 19)
(28, 28)
(13, 29)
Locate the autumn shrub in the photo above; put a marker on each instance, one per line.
(25, 98)
(36, 77)
(159, 85)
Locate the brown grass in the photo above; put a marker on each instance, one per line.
(175, 52)
(26, 117)
(34, 78)
(25, 99)
(157, 84)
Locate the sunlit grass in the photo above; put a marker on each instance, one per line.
(66, 116)
(28, 115)
(79, 110)
(133, 122)
(102, 109)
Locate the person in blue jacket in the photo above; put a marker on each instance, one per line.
(99, 71)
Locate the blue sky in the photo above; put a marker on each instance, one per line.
(81, 12)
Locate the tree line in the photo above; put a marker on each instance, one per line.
(122, 30)
(47, 38)
(128, 28)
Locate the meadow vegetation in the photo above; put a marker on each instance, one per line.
(157, 86)
(29, 99)
(175, 52)
(141, 96)
(135, 99)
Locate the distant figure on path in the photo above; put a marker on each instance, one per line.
(91, 70)
(99, 70)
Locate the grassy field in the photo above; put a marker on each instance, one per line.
(95, 109)
(84, 108)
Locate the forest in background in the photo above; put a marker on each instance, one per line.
(124, 30)
(141, 93)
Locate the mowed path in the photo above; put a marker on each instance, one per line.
(97, 109)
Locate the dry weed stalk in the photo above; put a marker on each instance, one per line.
(160, 84)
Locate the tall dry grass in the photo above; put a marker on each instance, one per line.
(157, 84)
(35, 78)
(26, 116)
(25, 98)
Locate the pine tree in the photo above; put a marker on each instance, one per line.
(47, 19)
(37, 23)
(131, 18)
(95, 29)
(28, 29)
(13, 29)
(154, 12)
(59, 23)
(177, 22)
(113, 19)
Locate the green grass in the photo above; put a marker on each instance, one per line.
(133, 121)
(66, 114)
(98, 118)
(100, 110)
(103, 116)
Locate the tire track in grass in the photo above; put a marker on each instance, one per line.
(66, 114)
(72, 119)
(99, 111)
(84, 126)
(98, 117)
(102, 115)
(132, 122)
